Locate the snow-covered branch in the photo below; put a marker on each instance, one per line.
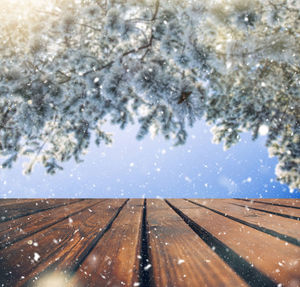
(163, 64)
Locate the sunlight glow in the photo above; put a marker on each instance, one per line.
(23, 9)
(54, 279)
(263, 130)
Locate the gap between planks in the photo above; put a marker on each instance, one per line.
(280, 266)
(288, 212)
(15, 209)
(146, 242)
(279, 227)
(291, 203)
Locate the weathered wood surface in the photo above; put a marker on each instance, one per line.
(153, 242)
(247, 242)
(289, 212)
(116, 257)
(179, 256)
(277, 201)
(14, 230)
(12, 209)
(281, 227)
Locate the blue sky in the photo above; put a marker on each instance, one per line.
(155, 168)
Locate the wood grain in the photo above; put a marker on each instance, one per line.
(179, 257)
(261, 220)
(17, 229)
(275, 258)
(11, 201)
(62, 246)
(287, 202)
(280, 210)
(116, 242)
(114, 261)
(17, 208)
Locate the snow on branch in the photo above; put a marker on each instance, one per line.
(69, 66)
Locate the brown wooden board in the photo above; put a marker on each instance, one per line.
(14, 230)
(22, 208)
(273, 209)
(221, 242)
(273, 258)
(288, 202)
(277, 226)
(178, 256)
(115, 259)
(11, 201)
(62, 246)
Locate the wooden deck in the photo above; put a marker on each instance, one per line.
(153, 242)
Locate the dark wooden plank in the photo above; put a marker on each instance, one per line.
(179, 257)
(14, 230)
(114, 261)
(63, 246)
(10, 201)
(23, 208)
(262, 220)
(288, 202)
(275, 258)
(280, 210)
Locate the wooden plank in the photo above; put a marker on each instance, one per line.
(276, 225)
(114, 261)
(14, 230)
(24, 208)
(179, 257)
(10, 201)
(288, 202)
(280, 210)
(63, 246)
(275, 258)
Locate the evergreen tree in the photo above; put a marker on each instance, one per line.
(67, 66)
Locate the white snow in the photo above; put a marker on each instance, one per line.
(147, 267)
(263, 130)
(36, 256)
